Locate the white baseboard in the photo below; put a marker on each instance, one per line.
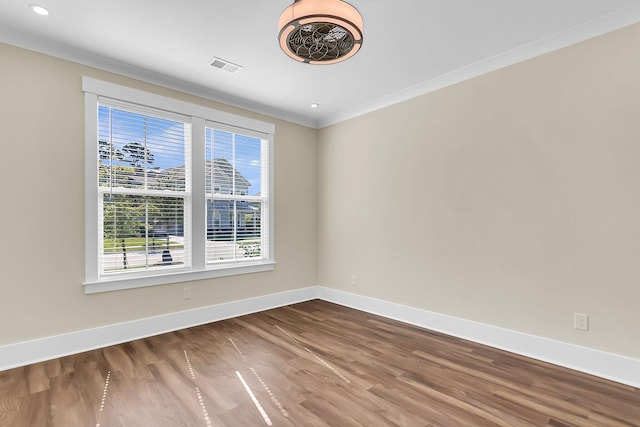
(611, 366)
(38, 350)
(617, 368)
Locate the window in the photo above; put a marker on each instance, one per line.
(174, 191)
(234, 218)
(142, 189)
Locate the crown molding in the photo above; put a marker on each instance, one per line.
(596, 27)
(15, 37)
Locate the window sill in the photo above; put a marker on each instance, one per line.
(117, 283)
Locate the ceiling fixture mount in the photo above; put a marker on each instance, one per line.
(320, 31)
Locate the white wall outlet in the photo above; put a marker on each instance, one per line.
(581, 321)
(186, 292)
(354, 281)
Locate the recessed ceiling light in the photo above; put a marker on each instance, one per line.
(39, 9)
(314, 105)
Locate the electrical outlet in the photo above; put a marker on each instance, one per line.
(354, 281)
(186, 292)
(581, 321)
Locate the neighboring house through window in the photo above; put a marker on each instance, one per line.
(174, 191)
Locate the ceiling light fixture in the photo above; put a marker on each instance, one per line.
(320, 31)
(40, 10)
(314, 105)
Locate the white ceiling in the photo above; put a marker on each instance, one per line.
(410, 46)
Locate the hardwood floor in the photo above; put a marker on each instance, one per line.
(310, 364)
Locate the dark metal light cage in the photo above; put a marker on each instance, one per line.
(320, 41)
(320, 31)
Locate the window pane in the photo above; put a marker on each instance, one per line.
(219, 166)
(248, 165)
(142, 232)
(234, 163)
(141, 151)
(234, 169)
(249, 233)
(233, 230)
(220, 230)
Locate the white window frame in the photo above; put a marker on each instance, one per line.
(94, 282)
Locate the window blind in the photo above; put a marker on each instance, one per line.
(236, 195)
(143, 167)
(174, 191)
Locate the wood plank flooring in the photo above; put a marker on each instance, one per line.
(309, 364)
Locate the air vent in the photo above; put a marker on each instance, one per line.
(225, 65)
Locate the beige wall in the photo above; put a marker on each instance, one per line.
(42, 214)
(511, 199)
